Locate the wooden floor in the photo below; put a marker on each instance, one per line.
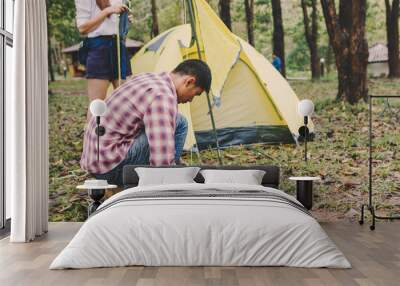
(375, 257)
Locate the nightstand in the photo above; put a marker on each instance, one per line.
(96, 191)
(304, 190)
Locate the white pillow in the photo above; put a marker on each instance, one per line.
(248, 177)
(166, 176)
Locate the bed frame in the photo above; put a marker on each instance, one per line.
(270, 179)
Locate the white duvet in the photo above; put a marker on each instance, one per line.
(206, 231)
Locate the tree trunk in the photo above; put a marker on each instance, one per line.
(278, 35)
(225, 12)
(392, 34)
(50, 60)
(249, 7)
(311, 34)
(329, 59)
(154, 29)
(347, 38)
(49, 56)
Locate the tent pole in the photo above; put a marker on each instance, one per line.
(119, 51)
(194, 35)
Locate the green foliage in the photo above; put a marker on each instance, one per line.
(170, 13)
(61, 21)
(263, 26)
(376, 22)
(141, 26)
(299, 57)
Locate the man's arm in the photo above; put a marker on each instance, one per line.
(87, 26)
(159, 121)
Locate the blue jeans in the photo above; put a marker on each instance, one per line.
(139, 152)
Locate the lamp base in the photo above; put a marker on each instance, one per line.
(304, 193)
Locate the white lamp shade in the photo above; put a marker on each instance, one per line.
(98, 107)
(305, 107)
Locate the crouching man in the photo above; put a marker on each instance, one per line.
(142, 123)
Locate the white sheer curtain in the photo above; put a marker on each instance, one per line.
(27, 124)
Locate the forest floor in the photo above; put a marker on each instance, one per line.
(339, 153)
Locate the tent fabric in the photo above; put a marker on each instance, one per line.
(278, 89)
(243, 103)
(228, 137)
(253, 103)
(213, 32)
(157, 43)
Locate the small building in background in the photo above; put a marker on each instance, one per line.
(378, 61)
(75, 69)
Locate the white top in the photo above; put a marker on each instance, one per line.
(305, 178)
(96, 185)
(88, 9)
(88, 187)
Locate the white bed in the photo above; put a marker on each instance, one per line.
(257, 226)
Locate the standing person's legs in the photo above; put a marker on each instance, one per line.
(97, 89)
(116, 84)
(98, 68)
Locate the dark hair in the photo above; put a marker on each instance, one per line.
(199, 69)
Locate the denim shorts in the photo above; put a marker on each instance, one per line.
(102, 59)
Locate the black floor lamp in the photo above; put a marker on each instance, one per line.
(305, 109)
(98, 107)
(97, 188)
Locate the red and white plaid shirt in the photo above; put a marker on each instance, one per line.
(146, 101)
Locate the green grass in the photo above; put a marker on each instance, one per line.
(340, 159)
(67, 112)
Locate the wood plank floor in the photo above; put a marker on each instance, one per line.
(375, 257)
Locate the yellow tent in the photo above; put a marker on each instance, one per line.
(252, 102)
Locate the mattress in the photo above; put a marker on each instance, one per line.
(201, 225)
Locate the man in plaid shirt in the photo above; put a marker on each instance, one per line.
(142, 122)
